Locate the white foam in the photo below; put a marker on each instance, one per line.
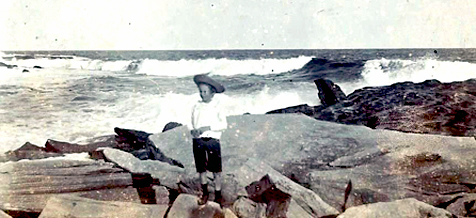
(180, 68)
(386, 72)
(224, 67)
(77, 63)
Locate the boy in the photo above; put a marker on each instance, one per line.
(208, 122)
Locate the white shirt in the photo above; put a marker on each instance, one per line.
(209, 114)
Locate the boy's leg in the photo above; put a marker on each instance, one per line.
(203, 182)
(218, 181)
(200, 156)
(215, 166)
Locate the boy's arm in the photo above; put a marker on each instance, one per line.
(221, 123)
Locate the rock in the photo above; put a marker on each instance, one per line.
(323, 156)
(162, 194)
(167, 174)
(30, 151)
(408, 208)
(82, 207)
(428, 107)
(25, 71)
(4, 215)
(464, 206)
(244, 207)
(27, 185)
(277, 190)
(171, 125)
(304, 109)
(65, 147)
(187, 206)
(228, 213)
(143, 147)
(37, 67)
(329, 93)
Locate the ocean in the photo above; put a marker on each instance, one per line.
(77, 95)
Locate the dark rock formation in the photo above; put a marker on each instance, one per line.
(141, 143)
(37, 67)
(132, 141)
(427, 107)
(171, 125)
(29, 151)
(329, 93)
(25, 71)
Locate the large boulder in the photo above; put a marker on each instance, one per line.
(323, 156)
(72, 207)
(406, 208)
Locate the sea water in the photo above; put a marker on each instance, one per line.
(77, 95)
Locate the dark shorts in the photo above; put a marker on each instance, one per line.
(207, 154)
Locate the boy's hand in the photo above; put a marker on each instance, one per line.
(203, 129)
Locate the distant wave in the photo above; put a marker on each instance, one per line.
(384, 72)
(180, 68)
(222, 67)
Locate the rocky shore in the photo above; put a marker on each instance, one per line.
(275, 165)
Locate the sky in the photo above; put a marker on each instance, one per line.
(236, 24)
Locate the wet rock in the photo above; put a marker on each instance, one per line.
(71, 207)
(329, 93)
(408, 208)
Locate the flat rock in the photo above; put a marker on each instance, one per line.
(408, 208)
(70, 207)
(27, 185)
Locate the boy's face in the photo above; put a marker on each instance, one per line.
(205, 92)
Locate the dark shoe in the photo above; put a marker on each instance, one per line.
(204, 199)
(219, 198)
